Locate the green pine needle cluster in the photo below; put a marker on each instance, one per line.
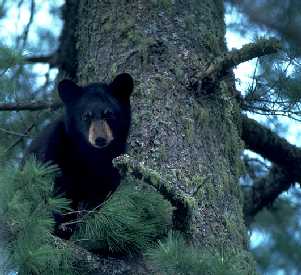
(26, 207)
(130, 221)
(175, 256)
(276, 87)
(9, 57)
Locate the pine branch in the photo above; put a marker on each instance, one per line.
(286, 170)
(30, 106)
(184, 204)
(224, 64)
(96, 264)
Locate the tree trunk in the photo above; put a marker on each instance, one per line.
(189, 135)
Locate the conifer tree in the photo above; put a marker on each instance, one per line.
(180, 208)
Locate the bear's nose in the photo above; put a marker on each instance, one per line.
(100, 142)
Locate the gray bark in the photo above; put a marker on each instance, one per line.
(191, 138)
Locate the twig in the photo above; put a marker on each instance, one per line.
(24, 35)
(13, 133)
(20, 138)
(30, 106)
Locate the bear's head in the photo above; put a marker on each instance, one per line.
(98, 114)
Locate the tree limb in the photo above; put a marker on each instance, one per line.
(265, 191)
(223, 64)
(285, 171)
(49, 59)
(30, 106)
(272, 147)
(247, 52)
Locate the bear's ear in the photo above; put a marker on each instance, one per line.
(122, 86)
(69, 91)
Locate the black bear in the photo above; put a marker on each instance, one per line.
(84, 141)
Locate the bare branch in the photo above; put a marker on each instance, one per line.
(30, 106)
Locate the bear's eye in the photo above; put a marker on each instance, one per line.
(107, 114)
(87, 116)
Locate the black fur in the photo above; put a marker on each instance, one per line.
(87, 174)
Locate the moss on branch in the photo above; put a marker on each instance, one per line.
(184, 204)
(286, 170)
(268, 144)
(223, 64)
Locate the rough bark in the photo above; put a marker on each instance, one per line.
(192, 141)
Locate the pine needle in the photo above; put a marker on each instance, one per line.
(130, 221)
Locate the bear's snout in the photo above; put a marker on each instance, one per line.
(100, 142)
(100, 133)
